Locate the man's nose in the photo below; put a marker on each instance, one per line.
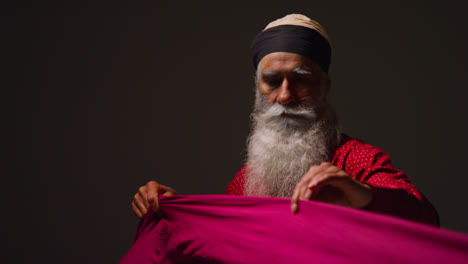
(285, 95)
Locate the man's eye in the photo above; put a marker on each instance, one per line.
(303, 78)
(273, 82)
(300, 79)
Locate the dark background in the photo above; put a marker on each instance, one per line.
(108, 97)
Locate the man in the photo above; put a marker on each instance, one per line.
(295, 148)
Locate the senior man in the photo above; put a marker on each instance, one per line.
(295, 148)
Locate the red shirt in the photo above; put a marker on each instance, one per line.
(393, 192)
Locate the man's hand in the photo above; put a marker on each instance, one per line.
(147, 196)
(330, 184)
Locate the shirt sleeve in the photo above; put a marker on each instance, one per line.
(394, 194)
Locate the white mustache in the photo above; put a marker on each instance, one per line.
(301, 112)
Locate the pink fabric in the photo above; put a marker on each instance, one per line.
(233, 229)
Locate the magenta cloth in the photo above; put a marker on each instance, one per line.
(233, 229)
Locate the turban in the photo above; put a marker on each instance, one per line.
(295, 34)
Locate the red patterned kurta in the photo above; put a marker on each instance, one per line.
(393, 192)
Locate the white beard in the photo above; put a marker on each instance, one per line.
(281, 149)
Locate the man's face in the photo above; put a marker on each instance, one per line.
(294, 126)
(291, 79)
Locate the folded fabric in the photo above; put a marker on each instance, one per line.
(234, 229)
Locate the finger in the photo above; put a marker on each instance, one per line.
(329, 179)
(153, 201)
(152, 191)
(153, 186)
(316, 185)
(306, 178)
(313, 182)
(325, 189)
(154, 205)
(302, 191)
(313, 172)
(143, 193)
(308, 194)
(139, 203)
(294, 201)
(327, 167)
(301, 187)
(299, 192)
(169, 191)
(325, 176)
(136, 210)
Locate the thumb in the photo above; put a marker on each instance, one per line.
(169, 191)
(153, 202)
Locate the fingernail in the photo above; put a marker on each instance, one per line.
(294, 207)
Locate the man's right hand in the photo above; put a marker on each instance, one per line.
(147, 197)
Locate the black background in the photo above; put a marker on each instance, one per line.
(110, 96)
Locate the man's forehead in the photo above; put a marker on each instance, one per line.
(285, 61)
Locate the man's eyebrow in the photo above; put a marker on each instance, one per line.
(268, 74)
(301, 70)
(298, 70)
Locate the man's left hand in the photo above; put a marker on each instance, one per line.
(330, 184)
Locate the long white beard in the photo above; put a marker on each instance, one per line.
(285, 143)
